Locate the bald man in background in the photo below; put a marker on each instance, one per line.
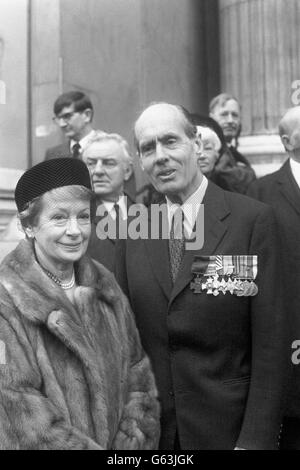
(282, 191)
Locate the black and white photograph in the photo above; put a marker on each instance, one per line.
(150, 227)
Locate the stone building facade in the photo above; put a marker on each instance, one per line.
(127, 53)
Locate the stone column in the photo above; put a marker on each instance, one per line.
(46, 75)
(14, 129)
(260, 63)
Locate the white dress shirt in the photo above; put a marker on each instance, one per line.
(295, 167)
(190, 207)
(83, 142)
(109, 206)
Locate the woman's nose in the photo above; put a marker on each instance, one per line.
(73, 227)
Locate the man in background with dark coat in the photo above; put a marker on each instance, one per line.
(282, 191)
(110, 163)
(73, 113)
(225, 109)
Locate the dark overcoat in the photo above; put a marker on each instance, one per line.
(281, 191)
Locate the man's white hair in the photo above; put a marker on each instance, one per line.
(100, 136)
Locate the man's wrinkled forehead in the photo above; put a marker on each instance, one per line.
(158, 120)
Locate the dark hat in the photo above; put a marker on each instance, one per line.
(207, 121)
(48, 175)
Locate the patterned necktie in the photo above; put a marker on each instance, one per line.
(176, 242)
(76, 150)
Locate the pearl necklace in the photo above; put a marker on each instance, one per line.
(63, 285)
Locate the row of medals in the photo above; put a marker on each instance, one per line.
(214, 286)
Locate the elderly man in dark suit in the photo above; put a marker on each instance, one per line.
(209, 317)
(110, 163)
(73, 113)
(226, 111)
(282, 191)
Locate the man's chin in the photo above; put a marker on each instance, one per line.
(166, 188)
(100, 193)
(70, 135)
(229, 135)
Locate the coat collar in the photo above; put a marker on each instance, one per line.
(288, 186)
(36, 296)
(216, 211)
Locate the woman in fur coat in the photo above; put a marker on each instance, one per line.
(73, 374)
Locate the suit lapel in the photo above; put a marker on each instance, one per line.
(215, 227)
(288, 186)
(158, 254)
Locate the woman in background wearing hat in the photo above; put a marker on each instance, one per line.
(225, 171)
(73, 374)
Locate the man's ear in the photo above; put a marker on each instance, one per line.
(128, 171)
(198, 145)
(88, 114)
(286, 142)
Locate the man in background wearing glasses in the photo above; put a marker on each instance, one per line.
(73, 113)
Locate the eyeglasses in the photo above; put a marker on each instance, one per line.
(65, 117)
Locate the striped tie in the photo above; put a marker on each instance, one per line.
(176, 242)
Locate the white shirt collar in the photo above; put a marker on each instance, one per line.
(122, 203)
(190, 207)
(295, 168)
(83, 142)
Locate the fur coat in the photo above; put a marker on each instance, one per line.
(71, 376)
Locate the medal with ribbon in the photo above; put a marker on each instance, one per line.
(225, 273)
(200, 268)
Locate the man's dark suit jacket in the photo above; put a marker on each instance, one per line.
(281, 191)
(59, 151)
(104, 251)
(216, 359)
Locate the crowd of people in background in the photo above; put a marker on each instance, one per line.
(201, 351)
